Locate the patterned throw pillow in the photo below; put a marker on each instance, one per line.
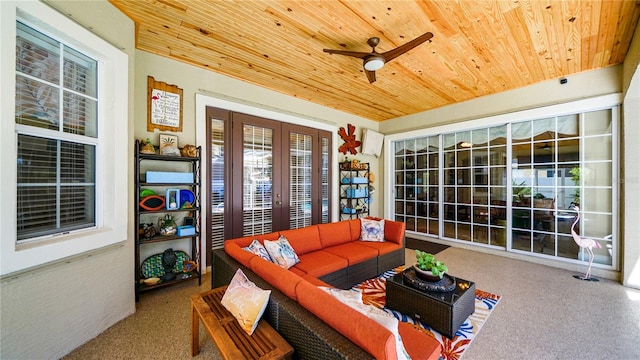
(245, 301)
(372, 230)
(281, 252)
(354, 300)
(257, 248)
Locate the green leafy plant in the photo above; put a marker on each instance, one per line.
(427, 262)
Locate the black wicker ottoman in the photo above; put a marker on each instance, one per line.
(443, 311)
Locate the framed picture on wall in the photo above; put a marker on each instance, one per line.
(169, 144)
(164, 106)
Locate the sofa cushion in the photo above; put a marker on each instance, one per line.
(353, 252)
(361, 330)
(382, 247)
(303, 240)
(282, 279)
(354, 300)
(320, 263)
(335, 233)
(281, 252)
(245, 301)
(419, 345)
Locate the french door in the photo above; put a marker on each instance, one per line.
(275, 175)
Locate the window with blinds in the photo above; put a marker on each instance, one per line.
(56, 126)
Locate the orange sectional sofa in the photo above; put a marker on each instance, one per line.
(330, 255)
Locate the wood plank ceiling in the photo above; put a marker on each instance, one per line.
(478, 48)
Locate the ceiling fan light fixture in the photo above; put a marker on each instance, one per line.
(373, 63)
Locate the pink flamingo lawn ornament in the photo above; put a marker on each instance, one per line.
(586, 243)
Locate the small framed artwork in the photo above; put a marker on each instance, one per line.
(169, 144)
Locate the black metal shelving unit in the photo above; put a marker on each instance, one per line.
(157, 161)
(355, 197)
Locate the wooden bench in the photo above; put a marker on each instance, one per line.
(230, 339)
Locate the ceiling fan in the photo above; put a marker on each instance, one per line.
(374, 61)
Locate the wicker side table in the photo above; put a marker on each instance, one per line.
(443, 311)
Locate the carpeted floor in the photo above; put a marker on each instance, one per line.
(544, 313)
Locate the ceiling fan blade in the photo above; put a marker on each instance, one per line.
(371, 75)
(392, 54)
(357, 54)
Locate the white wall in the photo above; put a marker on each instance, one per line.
(243, 97)
(49, 311)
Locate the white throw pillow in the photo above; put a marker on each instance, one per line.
(372, 230)
(354, 300)
(281, 252)
(245, 301)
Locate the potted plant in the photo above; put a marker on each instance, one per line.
(428, 267)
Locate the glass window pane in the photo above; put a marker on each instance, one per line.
(544, 129)
(597, 122)
(449, 141)
(80, 73)
(480, 137)
(463, 140)
(80, 115)
(597, 148)
(598, 200)
(544, 152)
(480, 157)
(569, 150)
(37, 104)
(422, 145)
(35, 214)
(568, 126)
(37, 54)
(521, 132)
(521, 154)
(464, 158)
(498, 135)
(498, 155)
(37, 160)
(597, 174)
(498, 176)
(77, 163)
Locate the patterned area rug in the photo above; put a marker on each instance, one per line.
(374, 293)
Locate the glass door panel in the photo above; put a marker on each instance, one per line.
(257, 195)
(300, 180)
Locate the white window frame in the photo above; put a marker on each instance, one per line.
(111, 150)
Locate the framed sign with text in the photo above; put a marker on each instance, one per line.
(164, 106)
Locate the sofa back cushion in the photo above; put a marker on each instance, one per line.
(394, 231)
(303, 240)
(335, 233)
(355, 226)
(239, 254)
(283, 280)
(362, 331)
(246, 240)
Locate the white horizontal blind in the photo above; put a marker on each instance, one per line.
(56, 122)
